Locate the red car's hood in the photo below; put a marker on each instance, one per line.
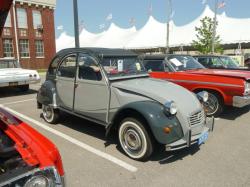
(34, 148)
(225, 73)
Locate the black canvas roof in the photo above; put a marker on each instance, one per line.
(102, 52)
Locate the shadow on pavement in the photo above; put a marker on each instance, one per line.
(164, 157)
(9, 92)
(231, 113)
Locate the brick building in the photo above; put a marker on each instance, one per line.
(28, 34)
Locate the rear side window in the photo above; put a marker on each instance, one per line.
(67, 67)
(53, 66)
(204, 61)
(154, 65)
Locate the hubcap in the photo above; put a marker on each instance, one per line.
(132, 139)
(212, 104)
(47, 112)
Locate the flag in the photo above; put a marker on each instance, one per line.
(132, 21)
(150, 9)
(109, 17)
(101, 26)
(60, 27)
(204, 2)
(221, 4)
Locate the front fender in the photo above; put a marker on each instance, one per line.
(47, 94)
(156, 119)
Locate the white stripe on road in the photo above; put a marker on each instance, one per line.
(14, 102)
(74, 141)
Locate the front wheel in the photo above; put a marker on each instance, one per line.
(134, 139)
(214, 105)
(50, 114)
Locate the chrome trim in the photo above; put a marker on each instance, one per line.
(200, 82)
(241, 101)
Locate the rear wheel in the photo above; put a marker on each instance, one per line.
(50, 114)
(134, 139)
(214, 105)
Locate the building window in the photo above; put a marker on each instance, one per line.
(6, 32)
(38, 34)
(39, 48)
(24, 48)
(7, 48)
(8, 21)
(22, 18)
(23, 32)
(37, 19)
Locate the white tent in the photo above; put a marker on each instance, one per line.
(153, 34)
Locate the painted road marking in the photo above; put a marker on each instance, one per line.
(14, 102)
(74, 141)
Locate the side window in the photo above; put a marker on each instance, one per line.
(154, 65)
(216, 62)
(204, 61)
(53, 66)
(67, 67)
(88, 68)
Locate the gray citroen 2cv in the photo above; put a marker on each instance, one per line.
(111, 87)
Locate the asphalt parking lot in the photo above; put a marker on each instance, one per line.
(90, 160)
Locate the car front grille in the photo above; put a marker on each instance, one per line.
(197, 118)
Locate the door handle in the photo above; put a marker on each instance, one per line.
(76, 85)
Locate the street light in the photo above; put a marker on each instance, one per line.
(168, 20)
(75, 10)
(214, 26)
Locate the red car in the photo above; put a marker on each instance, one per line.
(225, 87)
(27, 158)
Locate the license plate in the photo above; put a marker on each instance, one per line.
(203, 138)
(13, 83)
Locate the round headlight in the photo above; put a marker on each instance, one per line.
(37, 181)
(171, 107)
(203, 96)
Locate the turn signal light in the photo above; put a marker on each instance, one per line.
(166, 130)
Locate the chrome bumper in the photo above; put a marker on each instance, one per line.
(191, 139)
(241, 101)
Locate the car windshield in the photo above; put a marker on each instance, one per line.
(9, 64)
(116, 67)
(229, 62)
(183, 63)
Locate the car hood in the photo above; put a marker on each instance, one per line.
(16, 71)
(162, 91)
(222, 72)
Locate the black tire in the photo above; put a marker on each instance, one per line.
(215, 104)
(24, 88)
(131, 132)
(50, 114)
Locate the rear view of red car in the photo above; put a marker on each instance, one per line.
(27, 158)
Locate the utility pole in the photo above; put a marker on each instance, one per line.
(75, 10)
(214, 26)
(168, 20)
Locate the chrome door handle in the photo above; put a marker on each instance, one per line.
(76, 85)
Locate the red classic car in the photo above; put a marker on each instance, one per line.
(27, 158)
(224, 87)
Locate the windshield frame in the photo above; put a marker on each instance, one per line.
(167, 60)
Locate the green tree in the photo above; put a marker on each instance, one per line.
(204, 36)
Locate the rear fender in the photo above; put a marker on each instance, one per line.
(47, 94)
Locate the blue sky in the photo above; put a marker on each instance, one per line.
(93, 13)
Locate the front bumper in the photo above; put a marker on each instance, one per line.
(191, 139)
(241, 101)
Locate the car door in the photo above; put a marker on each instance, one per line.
(91, 91)
(65, 80)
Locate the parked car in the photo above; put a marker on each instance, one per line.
(12, 75)
(218, 62)
(27, 158)
(111, 87)
(224, 87)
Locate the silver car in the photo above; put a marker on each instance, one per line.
(111, 87)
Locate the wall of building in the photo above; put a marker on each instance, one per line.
(46, 35)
